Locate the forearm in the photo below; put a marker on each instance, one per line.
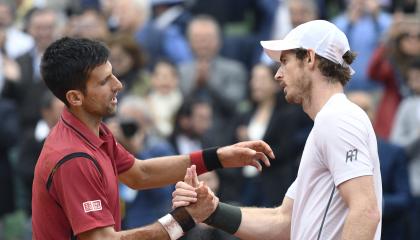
(361, 224)
(169, 227)
(153, 231)
(169, 170)
(149, 232)
(269, 223)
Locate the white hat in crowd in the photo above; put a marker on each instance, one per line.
(319, 35)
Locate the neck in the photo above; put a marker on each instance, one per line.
(321, 92)
(91, 121)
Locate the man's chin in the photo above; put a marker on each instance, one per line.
(292, 99)
(111, 111)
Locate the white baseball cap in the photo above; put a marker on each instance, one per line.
(319, 35)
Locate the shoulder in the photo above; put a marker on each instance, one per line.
(341, 117)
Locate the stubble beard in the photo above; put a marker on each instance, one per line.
(303, 89)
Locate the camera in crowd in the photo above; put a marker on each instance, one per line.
(129, 127)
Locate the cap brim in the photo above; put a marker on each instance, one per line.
(274, 48)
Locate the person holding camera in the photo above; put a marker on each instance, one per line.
(135, 129)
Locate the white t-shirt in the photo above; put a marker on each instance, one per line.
(341, 146)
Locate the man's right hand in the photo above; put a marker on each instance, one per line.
(198, 199)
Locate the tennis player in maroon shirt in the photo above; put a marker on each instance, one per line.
(75, 189)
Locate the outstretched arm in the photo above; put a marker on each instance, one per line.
(266, 223)
(162, 171)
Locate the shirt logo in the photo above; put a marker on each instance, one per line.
(351, 155)
(92, 206)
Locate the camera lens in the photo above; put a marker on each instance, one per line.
(129, 127)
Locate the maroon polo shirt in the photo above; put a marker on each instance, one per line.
(75, 188)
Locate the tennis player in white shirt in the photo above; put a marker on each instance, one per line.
(338, 190)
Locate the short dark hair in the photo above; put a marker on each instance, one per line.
(67, 63)
(333, 71)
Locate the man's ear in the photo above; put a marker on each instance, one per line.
(311, 58)
(74, 97)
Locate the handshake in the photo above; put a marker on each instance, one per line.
(194, 202)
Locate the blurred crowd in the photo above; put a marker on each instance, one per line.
(195, 76)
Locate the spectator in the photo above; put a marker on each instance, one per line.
(221, 80)
(165, 97)
(42, 25)
(395, 185)
(192, 124)
(32, 142)
(10, 73)
(290, 14)
(128, 62)
(389, 65)
(406, 132)
(279, 124)
(132, 130)
(9, 132)
(88, 24)
(128, 16)
(363, 18)
(17, 42)
(163, 35)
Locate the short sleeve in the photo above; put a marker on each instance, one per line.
(80, 192)
(123, 159)
(291, 192)
(344, 145)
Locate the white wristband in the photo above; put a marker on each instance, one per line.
(171, 226)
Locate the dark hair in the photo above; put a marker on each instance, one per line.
(333, 71)
(68, 62)
(129, 45)
(168, 62)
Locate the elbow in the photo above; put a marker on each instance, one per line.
(373, 215)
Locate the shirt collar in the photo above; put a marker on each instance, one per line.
(82, 130)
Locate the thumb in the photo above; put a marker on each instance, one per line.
(188, 177)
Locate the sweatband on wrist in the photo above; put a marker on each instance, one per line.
(205, 160)
(226, 217)
(171, 226)
(183, 218)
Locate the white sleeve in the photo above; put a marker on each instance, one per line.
(344, 147)
(291, 192)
